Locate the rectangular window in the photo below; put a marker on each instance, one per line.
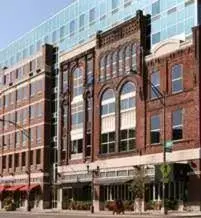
(177, 78)
(32, 89)
(23, 159)
(156, 37)
(177, 125)
(155, 80)
(18, 138)
(82, 21)
(62, 32)
(155, 129)
(31, 157)
(72, 27)
(92, 15)
(32, 111)
(108, 143)
(115, 4)
(155, 8)
(4, 162)
(38, 133)
(76, 146)
(38, 156)
(127, 140)
(10, 161)
(16, 160)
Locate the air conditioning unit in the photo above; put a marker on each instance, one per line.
(38, 70)
(10, 84)
(55, 139)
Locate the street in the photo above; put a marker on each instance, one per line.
(83, 215)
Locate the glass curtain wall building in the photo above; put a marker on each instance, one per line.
(81, 19)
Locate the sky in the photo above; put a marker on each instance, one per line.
(20, 16)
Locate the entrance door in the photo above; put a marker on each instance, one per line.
(67, 197)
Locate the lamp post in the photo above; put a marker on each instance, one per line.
(94, 173)
(162, 97)
(27, 134)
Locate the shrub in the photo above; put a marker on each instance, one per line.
(9, 204)
(128, 205)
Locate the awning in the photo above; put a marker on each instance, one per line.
(32, 186)
(14, 188)
(111, 181)
(2, 188)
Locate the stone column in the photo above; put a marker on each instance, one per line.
(96, 200)
(59, 198)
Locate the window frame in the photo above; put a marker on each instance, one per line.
(154, 86)
(154, 130)
(177, 79)
(178, 126)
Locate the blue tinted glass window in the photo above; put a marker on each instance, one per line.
(156, 38)
(62, 32)
(92, 15)
(156, 8)
(82, 21)
(72, 27)
(54, 36)
(115, 4)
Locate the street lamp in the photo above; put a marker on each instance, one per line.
(162, 97)
(27, 134)
(94, 173)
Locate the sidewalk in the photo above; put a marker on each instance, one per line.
(106, 213)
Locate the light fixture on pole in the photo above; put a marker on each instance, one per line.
(162, 97)
(94, 173)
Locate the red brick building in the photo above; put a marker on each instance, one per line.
(112, 117)
(25, 132)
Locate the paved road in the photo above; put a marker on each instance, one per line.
(80, 215)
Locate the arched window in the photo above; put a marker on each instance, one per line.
(108, 102)
(127, 59)
(102, 69)
(133, 57)
(127, 117)
(108, 67)
(77, 82)
(107, 142)
(114, 63)
(121, 61)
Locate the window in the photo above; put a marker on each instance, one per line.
(114, 63)
(4, 162)
(18, 138)
(155, 129)
(127, 97)
(76, 146)
(127, 59)
(77, 115)
(133, 57)
(16, 160)
(115, 4)
(108, 67)
(32, 89)
(177, 78)
(156, 37)
(108, 103)
(23, 158)
(90, 78)
(54, 36)
(38, 133)
(156, 8)
(155, 80)
(121, 63)
(38, 156)
(10, 161)
(102, 69)
(24, 138)
(127, 140)
(62, 32)
(32, 111)
(92, 15)
(31, 157)
(72, 27)
(82, 21)
(177, 125)
(77, 82)
(108, 143)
